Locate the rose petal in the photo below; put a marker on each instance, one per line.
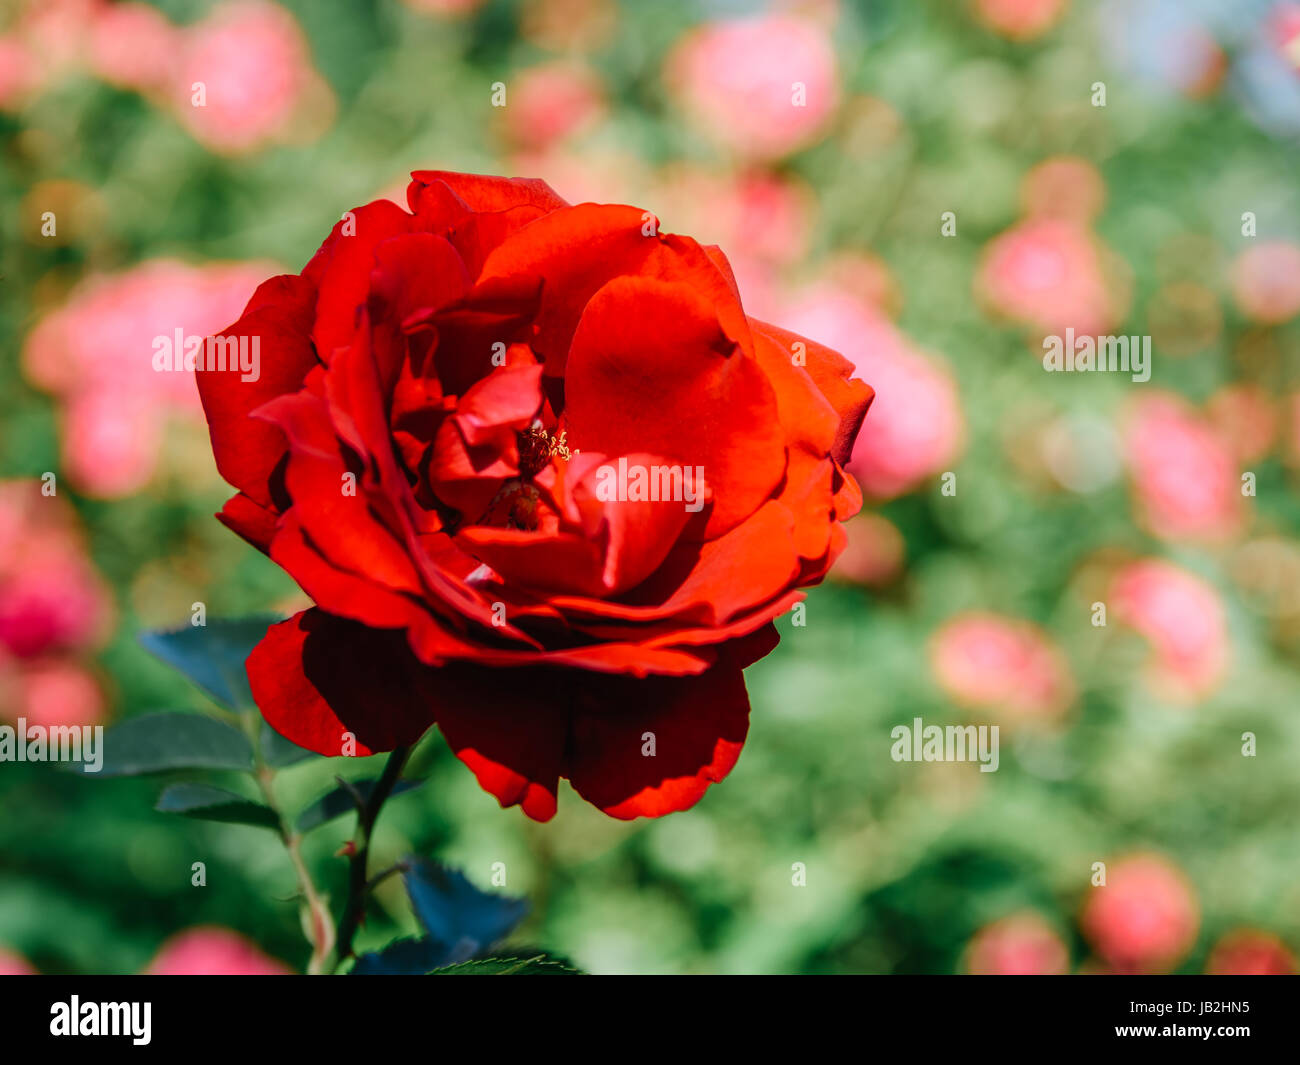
(697, 724)
(321, 681)
(696, 393)
(248, 451)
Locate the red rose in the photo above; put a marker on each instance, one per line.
(457, 415)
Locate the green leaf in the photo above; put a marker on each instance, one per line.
(155, 743)
(215, 804)
(453, 911)
(531, 951)
(405, 957)
(212, 655)
(278, 752)
(461, 923)
(338, 802)
(537, 965)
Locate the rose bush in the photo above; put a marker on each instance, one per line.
(441, 395)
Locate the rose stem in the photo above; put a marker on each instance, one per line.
(366, 818)
(321, 924)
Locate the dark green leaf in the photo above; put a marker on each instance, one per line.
(461, 922)
(454, 911)
(278, 752)
(405, 957)
(215, 804)
(155, 743)
(532, 950)
(338, 802)
(212, 655)
(537, 965)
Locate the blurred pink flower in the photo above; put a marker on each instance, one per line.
(1063, 186)
(550, 102)
(111, 442)
(868, 278)
(444, 7)
(133, 45)
(209, 950)
(1290, 447)
(1185, 479)
(762, 86)
(1182, 617)
(916, 427)
(56, 692)
(1196, 64)
(17, 71)
(53, 607)
(1284, 23)
(874, 553)
(1019, 20)
(1266, 282)
(96, 353)
(580, 173)
(762, 219)
(255, 67)
(1023, 944)
(1245, 417)
(1250, 952)
(753, 215)
(55, 32)
(1048, 273)
(251, 57)
(1145, 918)
(987, 662)
(14, 964)
(1167, 44)
(51, 598)
(570, 27)
(48, 39)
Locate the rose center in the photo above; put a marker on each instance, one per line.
(519, 504)
(537, 447)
